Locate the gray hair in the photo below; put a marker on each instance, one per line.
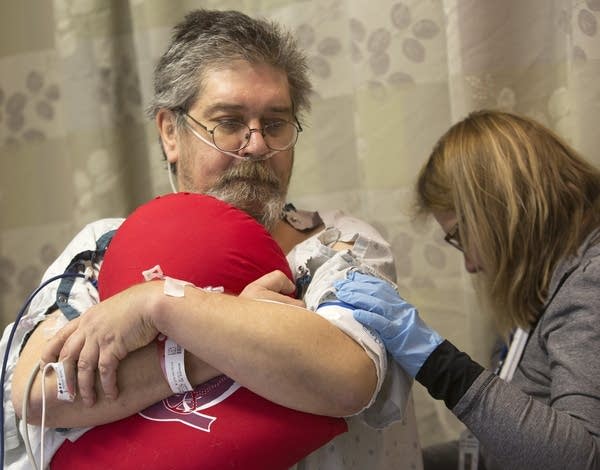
(208, 39)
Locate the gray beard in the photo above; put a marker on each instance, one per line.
(253, 188)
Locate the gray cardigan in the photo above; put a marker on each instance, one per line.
(548, 416)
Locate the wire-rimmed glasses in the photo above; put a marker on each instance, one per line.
(232, 136)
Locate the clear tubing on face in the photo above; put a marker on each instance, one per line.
(170, 173)
(231, 154)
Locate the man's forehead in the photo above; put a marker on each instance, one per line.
(242, 86)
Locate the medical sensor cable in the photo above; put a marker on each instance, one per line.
(9, 344)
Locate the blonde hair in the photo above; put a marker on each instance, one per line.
(524, 200)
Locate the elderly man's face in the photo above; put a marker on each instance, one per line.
(255, 95)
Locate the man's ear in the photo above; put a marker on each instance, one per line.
(165, 121)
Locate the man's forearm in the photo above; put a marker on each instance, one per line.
(286, 354)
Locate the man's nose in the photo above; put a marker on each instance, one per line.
(257, 146)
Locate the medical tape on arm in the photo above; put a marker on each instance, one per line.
(171, 355)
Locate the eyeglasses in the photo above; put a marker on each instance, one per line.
(232, 136)
(453, 237)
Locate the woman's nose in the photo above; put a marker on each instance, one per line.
(471, 266)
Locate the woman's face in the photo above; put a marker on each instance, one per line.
(448, 221)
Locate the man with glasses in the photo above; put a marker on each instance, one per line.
(227, 95)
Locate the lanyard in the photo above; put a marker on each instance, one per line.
(510, 363)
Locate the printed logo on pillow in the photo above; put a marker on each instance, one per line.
(185, 407)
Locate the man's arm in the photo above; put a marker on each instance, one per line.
(286, 354)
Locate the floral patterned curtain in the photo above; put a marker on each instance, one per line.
(390, 76)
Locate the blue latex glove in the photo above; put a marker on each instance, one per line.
(377, 305)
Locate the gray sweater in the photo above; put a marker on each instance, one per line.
(548, 416)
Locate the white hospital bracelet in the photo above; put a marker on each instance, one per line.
(171, 356)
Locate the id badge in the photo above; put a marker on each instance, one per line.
(468, 451)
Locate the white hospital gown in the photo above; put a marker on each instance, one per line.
(389, 442)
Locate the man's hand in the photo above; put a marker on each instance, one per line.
(274, 286)
(101, 338)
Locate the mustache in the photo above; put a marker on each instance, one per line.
(251, 172)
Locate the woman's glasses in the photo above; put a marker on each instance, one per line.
(453, 237)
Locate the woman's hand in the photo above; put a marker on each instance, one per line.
(378, 305)
(274, 286)
(102, 337)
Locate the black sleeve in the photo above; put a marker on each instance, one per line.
(448, 373)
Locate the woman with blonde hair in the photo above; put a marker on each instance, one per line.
(524, 209)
